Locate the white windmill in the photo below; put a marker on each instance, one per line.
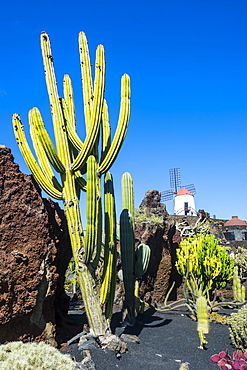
(184, 202)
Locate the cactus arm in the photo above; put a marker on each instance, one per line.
(36, 120)
(80, 181)
(69, 98)
(122, 126)
(98, 235)
(92, 135)
(56, 109)
(86, 79)
(112, 289)
(110, 236)
(42, 158)
(30, 160)
(105, 286)
(128, 194)
(106, 131)
(142, 254)
(90, 208)
(72, 135)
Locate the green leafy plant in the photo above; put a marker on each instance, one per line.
(141, 216)
(71, 158)
(30, 356)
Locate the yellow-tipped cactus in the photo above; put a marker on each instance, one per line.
(71, 158)
(202, 320)
(238, 289)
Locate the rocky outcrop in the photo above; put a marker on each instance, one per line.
(160, 234)
(34, 254)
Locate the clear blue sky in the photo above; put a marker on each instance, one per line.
(188, 66)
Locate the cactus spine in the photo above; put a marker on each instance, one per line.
(71, 158)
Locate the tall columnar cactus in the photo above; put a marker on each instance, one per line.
(71, 157)
(134, 262)
(238, 289)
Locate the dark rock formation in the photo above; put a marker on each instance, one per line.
(161, 236)
(151, 204)
(34, 254)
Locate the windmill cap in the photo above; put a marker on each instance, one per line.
(183, 191)
(235, 221)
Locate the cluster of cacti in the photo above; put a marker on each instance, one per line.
(71, 158)
(134, 261)
(202, 320)
(29, 356)
(240, 260)
(238, 289)
(238, 328)
(204, 264)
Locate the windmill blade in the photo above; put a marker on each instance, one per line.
(175, 179)
(166, 195)
(190, 188)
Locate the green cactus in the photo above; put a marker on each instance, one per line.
(238, 289)
(238, 328)
(134, 262)
(202, 320)
(24, 356)
(205, 264)
(71, 158)
(107, 292)
(142, 258)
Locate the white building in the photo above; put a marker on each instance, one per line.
(184, 203)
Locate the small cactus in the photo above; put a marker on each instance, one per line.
(202, 320)
(142, 258)
(27, 356)
(238, 289)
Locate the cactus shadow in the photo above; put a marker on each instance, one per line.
(147, 319)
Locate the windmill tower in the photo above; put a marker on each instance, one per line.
(184, 203)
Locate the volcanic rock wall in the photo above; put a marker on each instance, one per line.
(34, 254)
(163, 239)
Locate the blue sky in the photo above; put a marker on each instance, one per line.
(188, 66)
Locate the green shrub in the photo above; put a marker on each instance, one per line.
(141, 216)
